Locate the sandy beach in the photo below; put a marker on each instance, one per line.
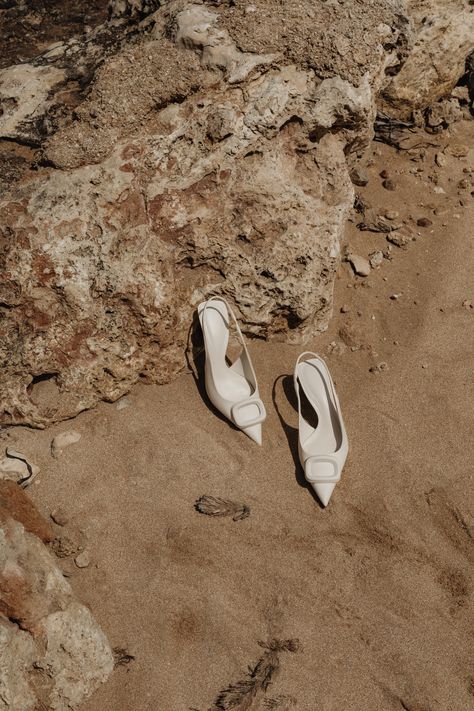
(377, 588)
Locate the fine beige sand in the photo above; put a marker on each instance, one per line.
(377, 588)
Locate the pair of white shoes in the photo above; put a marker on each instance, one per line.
(233, 390)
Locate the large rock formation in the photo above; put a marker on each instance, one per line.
(209, 155)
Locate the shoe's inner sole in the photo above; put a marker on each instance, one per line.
(322, 425)
(230, 381)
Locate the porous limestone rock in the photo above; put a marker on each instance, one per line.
(24, 99)
(52, 652)
(210, 155)
(443, 39)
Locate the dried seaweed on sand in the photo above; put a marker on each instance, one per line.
(245, 694)
(213, 506)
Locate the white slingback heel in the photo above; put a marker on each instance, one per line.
(322, 443)
(233, 390)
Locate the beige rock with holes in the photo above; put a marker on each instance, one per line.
(211, 155)
(443, 39)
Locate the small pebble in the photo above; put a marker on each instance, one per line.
(467, 304)
(424, 365)
(64, 439)
(60, 516)
(359, 177)
(82, 560)
(391, 214)
(440, 159)
(399, 239)
(424, 222)
(378, 368)
(384, 174)
(394, 297)
(360, 265)
(123, 403)
(376, 259)
(389, 184)
(345, 309)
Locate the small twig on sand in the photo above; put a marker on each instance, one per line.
(121, 657)
(213, 506)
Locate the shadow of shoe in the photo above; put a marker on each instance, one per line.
(195, 355)
(292, 432)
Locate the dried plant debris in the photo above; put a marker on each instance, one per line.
(247, 693)
(282, 702)
(213, 506)
(402, 135)
(360, 205)
(122, 658)
(389, 130)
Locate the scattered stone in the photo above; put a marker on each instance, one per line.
(336, 348)
(360, 265)
(389, 184)
(65, 546)
(464, 184)
(467, 304)
(60, 516)
(424, 222)
(457, 150)
(378, 224)
(399, 239)
(391, 214)
(376, 259)
(378, 368)
(443, 114)
(345, 308)
(424, 365)
(384, 174)
(16, 467)
(440, 159)
(15, 503)
(64, 439)
(123, 403)
(439, 190)
(82, 560)
(359, 177)
(394, 297)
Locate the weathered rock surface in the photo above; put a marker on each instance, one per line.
(14, 503)
(443, 39)
(52, 652)
(211, 154)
